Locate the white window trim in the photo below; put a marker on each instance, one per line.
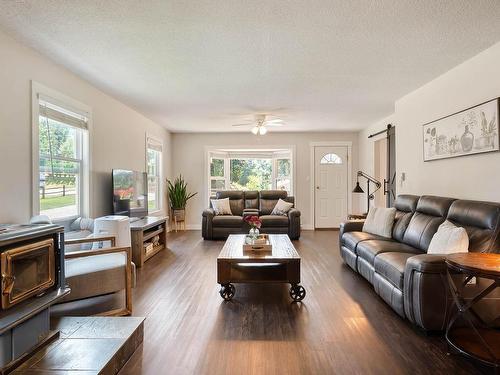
(291, 149)
(64, 101)
(151, 139)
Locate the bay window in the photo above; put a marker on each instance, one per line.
(250, 170)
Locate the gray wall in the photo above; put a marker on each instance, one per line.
(117, 139)
(471, 177)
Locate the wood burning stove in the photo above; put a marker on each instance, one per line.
(32, 279)
(27, 270)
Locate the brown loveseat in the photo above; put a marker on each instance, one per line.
(412, 282)
(246, 203)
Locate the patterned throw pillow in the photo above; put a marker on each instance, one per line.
(282, 208)
(221, 206)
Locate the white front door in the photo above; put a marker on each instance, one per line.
(330, 186)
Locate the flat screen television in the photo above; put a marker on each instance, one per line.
(130, 193)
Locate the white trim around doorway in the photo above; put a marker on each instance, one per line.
(312, 146)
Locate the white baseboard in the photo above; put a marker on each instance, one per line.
(307, 227)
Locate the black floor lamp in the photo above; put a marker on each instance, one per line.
(369, 194)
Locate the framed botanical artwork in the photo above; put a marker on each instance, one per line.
(471, 131)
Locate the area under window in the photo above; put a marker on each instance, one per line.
(250, 170)
(153, 168)
(61, 161)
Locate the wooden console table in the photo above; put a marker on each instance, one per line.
(143, 231)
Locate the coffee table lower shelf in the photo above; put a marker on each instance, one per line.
(229, 272)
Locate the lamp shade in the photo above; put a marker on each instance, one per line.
(358, 189)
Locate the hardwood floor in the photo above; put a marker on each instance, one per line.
(341, 327)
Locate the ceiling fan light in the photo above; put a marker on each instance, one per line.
(262, 130)
(255, 130)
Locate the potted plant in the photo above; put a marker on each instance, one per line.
(178, 197)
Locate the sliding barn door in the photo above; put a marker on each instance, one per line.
(390, 181)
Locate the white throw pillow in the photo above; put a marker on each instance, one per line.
(282, 208)
(221, 206)
(379, 221)
(449, 239)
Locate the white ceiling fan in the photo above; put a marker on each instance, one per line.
(261, 122)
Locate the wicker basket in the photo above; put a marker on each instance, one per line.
(179, 215)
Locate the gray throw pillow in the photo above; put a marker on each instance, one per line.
(282, 208)
(380, 221)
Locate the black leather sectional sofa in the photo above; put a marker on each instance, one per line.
(246, 203)
(411, 281)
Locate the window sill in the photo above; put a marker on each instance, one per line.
(155, 212)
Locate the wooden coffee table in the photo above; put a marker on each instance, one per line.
(280, 266)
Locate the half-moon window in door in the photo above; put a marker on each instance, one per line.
(331, 159)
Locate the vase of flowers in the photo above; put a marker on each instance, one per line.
(255, 224)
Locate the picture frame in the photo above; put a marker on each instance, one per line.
(474, 130)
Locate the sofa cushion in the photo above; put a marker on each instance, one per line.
(368, 250)
(430, 214)
(251, 199)
(405, 206)
(274, 221)
(77, 234)
(96, 275)
(227, 221)
(392, 267)
(481, 220)
(352, 239)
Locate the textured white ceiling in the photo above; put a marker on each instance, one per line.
(196, 65)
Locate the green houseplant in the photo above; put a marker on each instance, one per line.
(178, 197)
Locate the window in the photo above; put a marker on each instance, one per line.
(250, 170)
(250, 174)
(61, 159)
(283, 174)
(153, 168)
(331, 159)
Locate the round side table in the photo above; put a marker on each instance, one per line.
(478, 340)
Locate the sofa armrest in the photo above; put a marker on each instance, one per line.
(294, 224)
(428, 263)
(293, 213)
(208, 212)
(207, 217)
(426, 295)
(350, 226)
(251, 212)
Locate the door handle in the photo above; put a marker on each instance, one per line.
(317, 187)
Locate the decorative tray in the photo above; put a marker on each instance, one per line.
(260, 243)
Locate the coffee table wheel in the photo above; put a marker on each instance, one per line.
(297, 292)
(227, 291)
